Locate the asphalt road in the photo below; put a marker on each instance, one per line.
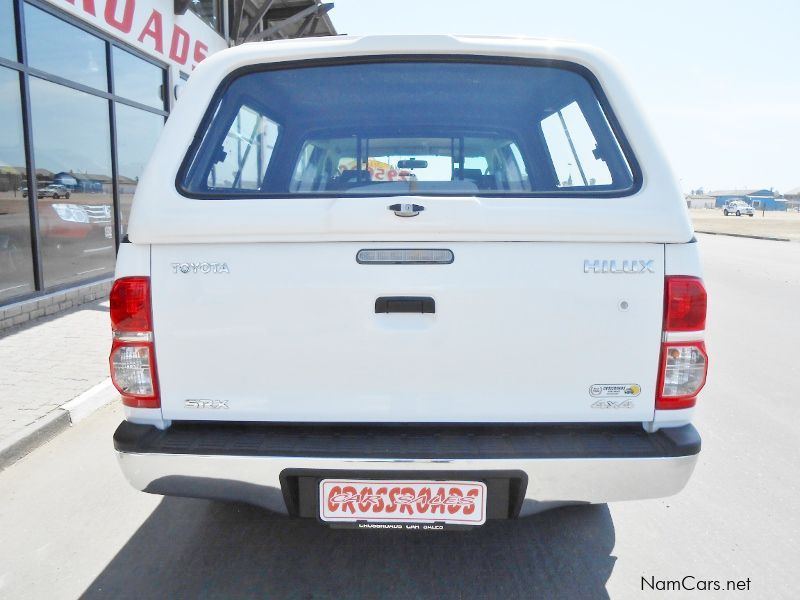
(71, 526)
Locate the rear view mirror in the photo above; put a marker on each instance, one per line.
(412, 163)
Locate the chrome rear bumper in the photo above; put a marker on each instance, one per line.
(550, 482)
(237, 465)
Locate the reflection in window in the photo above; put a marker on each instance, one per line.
(73, 159)
(457, 164)
(62, 49)
(8, 36)
(572, 147)
(137, 79)
(208, 11)
(246, 152)
(16, 268)
(137, 132)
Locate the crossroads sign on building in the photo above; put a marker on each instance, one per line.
(151, 27)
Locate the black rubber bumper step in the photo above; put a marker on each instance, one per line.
(424, 441)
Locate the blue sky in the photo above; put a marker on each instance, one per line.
(720, 81)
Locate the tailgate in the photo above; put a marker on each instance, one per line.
(522, 332)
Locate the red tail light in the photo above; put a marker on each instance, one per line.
(130, 304)
(683, 364)
(684, 304)
(132, 359)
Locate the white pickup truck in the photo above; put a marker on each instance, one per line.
(408, 282)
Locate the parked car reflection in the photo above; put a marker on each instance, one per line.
(54, 191)
(60, 221)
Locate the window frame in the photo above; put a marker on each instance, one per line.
(200, 134)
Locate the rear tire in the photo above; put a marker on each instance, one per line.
(750, 215)
(738, 213)
(725, 212)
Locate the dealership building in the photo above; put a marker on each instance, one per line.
(85, 88)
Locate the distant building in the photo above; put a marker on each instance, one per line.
(792, 198)
(761, 199)
(700, 201)
(84, 182)
(16, 178)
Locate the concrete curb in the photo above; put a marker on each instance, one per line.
(742, 235)
(49, 426)
(89, 401)
(34, 435)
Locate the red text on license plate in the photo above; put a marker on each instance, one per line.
(456, 502)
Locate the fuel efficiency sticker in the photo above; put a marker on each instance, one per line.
(615, 390)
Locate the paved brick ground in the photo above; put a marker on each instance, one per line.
(50, 361)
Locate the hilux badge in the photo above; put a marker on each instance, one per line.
(619, 266)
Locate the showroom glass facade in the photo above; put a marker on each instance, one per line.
(80, 114)
(209, 11)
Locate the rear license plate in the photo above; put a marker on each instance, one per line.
(392, 501)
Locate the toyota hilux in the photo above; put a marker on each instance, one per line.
(412, 282)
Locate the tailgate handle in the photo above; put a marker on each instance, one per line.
(405, 304)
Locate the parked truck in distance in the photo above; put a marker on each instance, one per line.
(738, 208)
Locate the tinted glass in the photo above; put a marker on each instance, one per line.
(458, 164)
(441, 128)
(208, 11)
(62, 49)
(8, 35)
(16, 268)
(248, 149)
(73, 163)
(137, 132)
(137, 79)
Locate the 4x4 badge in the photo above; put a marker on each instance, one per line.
(613, 404)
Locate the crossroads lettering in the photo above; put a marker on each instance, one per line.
(404, 500)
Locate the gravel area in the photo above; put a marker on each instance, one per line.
(773, 224)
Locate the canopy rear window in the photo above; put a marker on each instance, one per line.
(399, 127)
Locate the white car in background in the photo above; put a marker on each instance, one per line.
(738, 208)
(296, 328)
